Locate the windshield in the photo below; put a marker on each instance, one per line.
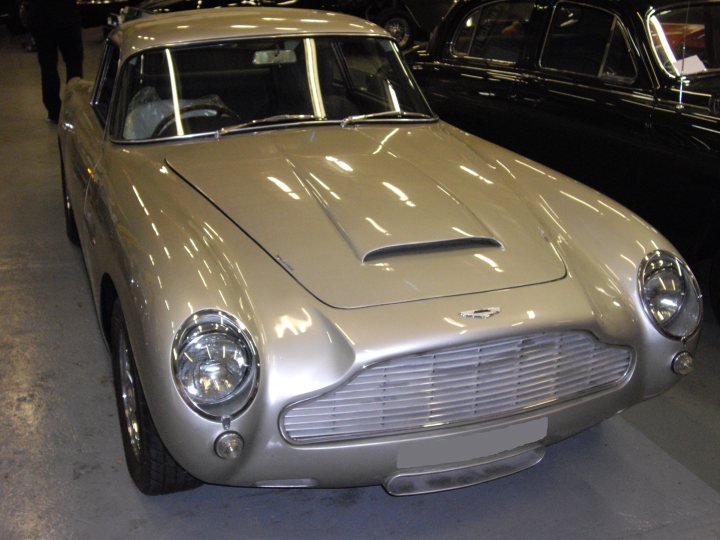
(687, 38)
(249, 84)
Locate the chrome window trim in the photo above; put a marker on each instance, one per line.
(624, 31)
(100, 78)
(655, 55)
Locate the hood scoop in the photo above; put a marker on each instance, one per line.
(429, 247)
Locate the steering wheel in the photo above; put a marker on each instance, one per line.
(219, 108)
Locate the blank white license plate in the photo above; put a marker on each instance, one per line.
(459, 448)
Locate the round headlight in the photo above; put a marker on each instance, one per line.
(670, 294)
(215, 364)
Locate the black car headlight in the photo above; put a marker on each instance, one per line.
(670, 294)
(215, 364)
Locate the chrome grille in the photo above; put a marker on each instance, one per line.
(459, 384)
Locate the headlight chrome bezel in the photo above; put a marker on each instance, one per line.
(211, 324)
(682, 324)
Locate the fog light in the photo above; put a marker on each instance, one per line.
(683, 363)
(229, 445)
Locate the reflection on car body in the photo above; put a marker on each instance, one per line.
(620, 95)
(306, 279)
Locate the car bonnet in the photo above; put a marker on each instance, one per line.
(363, 216)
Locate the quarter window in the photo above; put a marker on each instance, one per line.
(588, 41)
(494, 32)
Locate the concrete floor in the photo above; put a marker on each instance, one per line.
(652, 472)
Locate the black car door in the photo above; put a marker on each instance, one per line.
(685, 40)
(480, 67)
(591, 99)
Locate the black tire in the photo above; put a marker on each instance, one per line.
(70, 226)
(150, 465)
(399, 25)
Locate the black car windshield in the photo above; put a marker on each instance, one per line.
(687, 38)
(256, 84)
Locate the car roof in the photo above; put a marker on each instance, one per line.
(209, 25)
(641, 6)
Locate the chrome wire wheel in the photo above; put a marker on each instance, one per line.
(149, 463)
(399, 28)
(128, 397)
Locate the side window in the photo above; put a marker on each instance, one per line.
(494, 32)
(465, 33)
(618, 64)
(106, 81)
(588, 41)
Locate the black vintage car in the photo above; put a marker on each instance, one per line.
(622, 95)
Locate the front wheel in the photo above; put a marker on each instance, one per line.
(151, 466)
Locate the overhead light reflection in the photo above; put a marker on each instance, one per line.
(400, 193)
(454, 322)
(293, 325)
(284, 187)
(489, 261)
(375, 224)
(458, 230)
(340, 163)
(576, 199)
(475, 174)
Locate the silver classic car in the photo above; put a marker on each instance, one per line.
(306, 279)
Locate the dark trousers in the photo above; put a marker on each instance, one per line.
(52, 36)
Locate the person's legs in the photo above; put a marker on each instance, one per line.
(48, 57)
(71, 47)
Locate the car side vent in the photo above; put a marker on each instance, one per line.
(430, 247)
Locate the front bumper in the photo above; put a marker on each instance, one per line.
(439, 460)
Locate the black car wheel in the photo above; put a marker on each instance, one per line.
(399, 25)
(151, 466)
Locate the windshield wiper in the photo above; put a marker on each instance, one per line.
(268, 120)
(384, 114)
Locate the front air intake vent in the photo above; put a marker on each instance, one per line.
(471, 383)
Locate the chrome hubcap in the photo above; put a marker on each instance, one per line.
(129, 398)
